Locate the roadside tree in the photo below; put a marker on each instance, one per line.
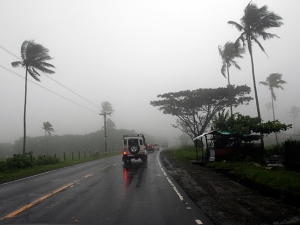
(195, 109)
(106, 108)
(34, 57)
(254, 24)
(228, 53)
(294, 113)
(273, 81)
(48, 129)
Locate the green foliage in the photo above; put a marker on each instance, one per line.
(19, 161)
(279, 182)
(47, 126)
(195, 109)
(239, 125)
(7, 174)
(277, 149)
(34, 60)
(46, 160)
(75, 143)
(185, 153)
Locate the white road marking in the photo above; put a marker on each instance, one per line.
(199, 222)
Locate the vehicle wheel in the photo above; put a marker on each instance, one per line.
(134, 149)
(144, 159)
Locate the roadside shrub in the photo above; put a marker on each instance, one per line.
(46, 160)
(19, 161)
(277, 149)
(3, 166)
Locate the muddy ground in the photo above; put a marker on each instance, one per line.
(225, 201)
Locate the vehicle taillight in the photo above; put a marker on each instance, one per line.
(124, 153)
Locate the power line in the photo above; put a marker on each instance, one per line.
(71, 91)
(35, 83)
(47, 89)
(9, 52)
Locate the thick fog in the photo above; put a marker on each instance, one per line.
(127, 53)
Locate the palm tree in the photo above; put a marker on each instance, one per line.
(106, 107)
(110, 124)
(269, 107)
(106, 110)
(294, 113)
(34, 57)
(273, 81)
(253, 25)
(48, 129)
(228, 53)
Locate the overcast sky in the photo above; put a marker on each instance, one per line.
(127, 52)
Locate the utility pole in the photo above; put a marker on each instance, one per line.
(105, 137)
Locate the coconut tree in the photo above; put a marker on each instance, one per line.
(269, 107)
(106, 110)
(254, 24)
(294, 113)
(106, 107)
(48, 129)
(273, 81)
(228, 53)
(34, 57)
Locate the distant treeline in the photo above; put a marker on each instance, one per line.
(70, 143)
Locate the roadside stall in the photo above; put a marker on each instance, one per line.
(222, 145)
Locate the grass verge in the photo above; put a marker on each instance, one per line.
(281, 183)
(18, 174)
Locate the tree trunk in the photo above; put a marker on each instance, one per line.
(229, 87)
(274, 114)
(24, 119)
(256, 98)
(46, 141)
(254, 82)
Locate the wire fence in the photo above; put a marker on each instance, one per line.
(87, 154)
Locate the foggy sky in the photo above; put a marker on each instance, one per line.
(127, 53)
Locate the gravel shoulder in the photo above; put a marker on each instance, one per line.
(227, 202)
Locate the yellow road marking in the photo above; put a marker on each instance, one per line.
(47, 196)
(36, 201)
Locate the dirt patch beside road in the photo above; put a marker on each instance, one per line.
(224, 201)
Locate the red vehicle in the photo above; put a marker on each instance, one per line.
(150, 147)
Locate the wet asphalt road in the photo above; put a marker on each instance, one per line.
(100, 192)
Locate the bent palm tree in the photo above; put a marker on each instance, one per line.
(106, 110)
(294, 113)
(253, 25)
(273, 81)
(48, 129)
(34, 57)
(228, 53)
(269, 106)
(106, 107)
